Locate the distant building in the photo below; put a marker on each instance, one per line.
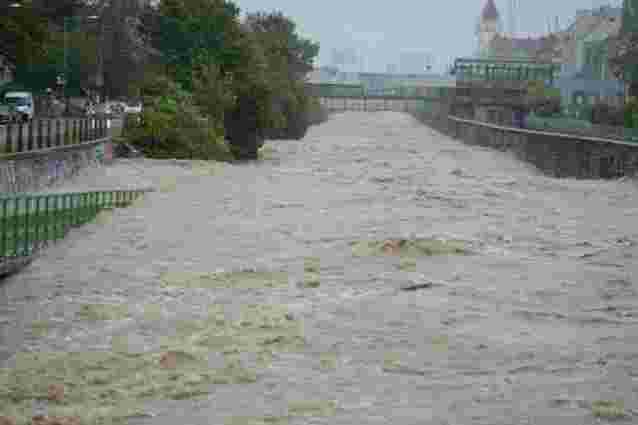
(488, 28)
(589, 26)
(493, 43)
(585, 47)
(545, 49)
(581, 50)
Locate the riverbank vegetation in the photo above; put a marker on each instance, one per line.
(213, 84)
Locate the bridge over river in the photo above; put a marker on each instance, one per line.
(537, 324)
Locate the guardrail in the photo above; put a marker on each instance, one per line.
(581, 128)
(30, 222)
(50, 133)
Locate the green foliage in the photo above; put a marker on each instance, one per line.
(246, 80)
(23, 33)
(173, 127)
(212, 93)
(216, 78)
(630, 113)
(25, 30)
(630, 16)
(548, 123)
(544, 101)
(41, 73)
(196, 32)
(253, 112)
(608, 409)
(289, 57)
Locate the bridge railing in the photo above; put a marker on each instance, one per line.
(29, 222)
(50, 133)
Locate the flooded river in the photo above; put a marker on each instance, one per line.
(536, 326)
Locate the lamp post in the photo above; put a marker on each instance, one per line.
(65, 77)
(99, 76)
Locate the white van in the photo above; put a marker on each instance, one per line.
(22, 101)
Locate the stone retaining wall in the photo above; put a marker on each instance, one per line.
(555, 154)
(32, 171)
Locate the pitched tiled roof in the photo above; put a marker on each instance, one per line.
(490, 11)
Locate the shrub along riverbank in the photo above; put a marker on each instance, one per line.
(214, 84)
(223, 85)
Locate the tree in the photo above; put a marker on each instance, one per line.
(24, 30)
(247, 121)
(41, 72)
(245, 79)
(279, 34)
(124, 44)
(189, 33)
(289, 57)
(624, 52)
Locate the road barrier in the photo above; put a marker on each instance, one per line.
(50, 133)
(30, 222)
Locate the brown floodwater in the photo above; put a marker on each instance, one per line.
(537, 323)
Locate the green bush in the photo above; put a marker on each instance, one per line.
(629, 113)
(171, 126)
(556, 123)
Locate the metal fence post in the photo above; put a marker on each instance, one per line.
(85, 130)
(58, 131)
(20, 139)
(38, 221)
(40, 130)
(16, 225)
(48, 143)
(9, 129)
(75, 132)
(47, 218)
(27, 230)
(3, 228)
(30, 135)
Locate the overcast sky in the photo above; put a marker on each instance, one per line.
(380, 30)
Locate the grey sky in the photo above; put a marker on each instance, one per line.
(381, 30)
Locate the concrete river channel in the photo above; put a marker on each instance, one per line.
(375, 272)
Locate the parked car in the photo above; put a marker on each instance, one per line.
(23, 103)
(8, 114)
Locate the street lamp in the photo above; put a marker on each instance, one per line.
(99, 76)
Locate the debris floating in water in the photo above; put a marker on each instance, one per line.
(409, 248)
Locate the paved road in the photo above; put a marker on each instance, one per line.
(541, 321)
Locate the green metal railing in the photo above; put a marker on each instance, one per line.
(581, 128)
(29, 222)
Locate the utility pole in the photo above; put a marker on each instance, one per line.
(99, 77)
(65, 79)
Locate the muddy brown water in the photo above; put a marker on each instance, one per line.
(540, 321)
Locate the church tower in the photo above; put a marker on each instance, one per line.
(488, 27)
